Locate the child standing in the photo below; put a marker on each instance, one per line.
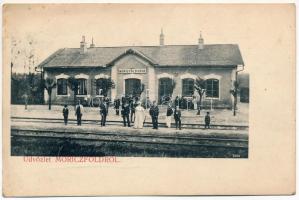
(207, 120)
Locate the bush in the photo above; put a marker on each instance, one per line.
(185, 102)
(29, 84)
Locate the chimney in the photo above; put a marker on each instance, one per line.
(161, 38)
(83, 45)
(200, 42)
(92, 44)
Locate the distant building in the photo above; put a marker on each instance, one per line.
(154, 67)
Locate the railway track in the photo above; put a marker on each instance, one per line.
(135, 138)
(95, 141)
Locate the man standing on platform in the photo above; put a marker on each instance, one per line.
(79, 113)
(177, 117)
(125, 113)
(65, 112)
(154, 113)
(103, 113)
(116, 106)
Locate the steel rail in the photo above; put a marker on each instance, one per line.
(197, 139)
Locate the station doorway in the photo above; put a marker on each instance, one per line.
(132, 86)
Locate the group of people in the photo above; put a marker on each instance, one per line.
(78, 113)
(133, 112)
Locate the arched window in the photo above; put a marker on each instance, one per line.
(212, 88)
(62, 86)
(188, 87)
(82, 86)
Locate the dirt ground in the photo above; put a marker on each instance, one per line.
(220, 117)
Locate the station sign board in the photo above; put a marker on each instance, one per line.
(132, 71)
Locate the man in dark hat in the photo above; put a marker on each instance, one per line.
(103, 113)
(154, 113)
(65, 112)
(116, 106)
(125, 113)
(79, 113)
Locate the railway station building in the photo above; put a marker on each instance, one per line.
(162, 71)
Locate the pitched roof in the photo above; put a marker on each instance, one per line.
(167, 55)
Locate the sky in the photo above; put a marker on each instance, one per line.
(50, 27)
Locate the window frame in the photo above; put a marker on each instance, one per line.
(189, 79)
(165, 85)
(212, 97)
(57, 91)
(82, 79)
(164, 80)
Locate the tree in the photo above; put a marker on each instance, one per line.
(172, 86)
(74, 86)
(29, 84)
(105, 84)
(34, 89)
(200, 87)
(49, 84)
(234, 92)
